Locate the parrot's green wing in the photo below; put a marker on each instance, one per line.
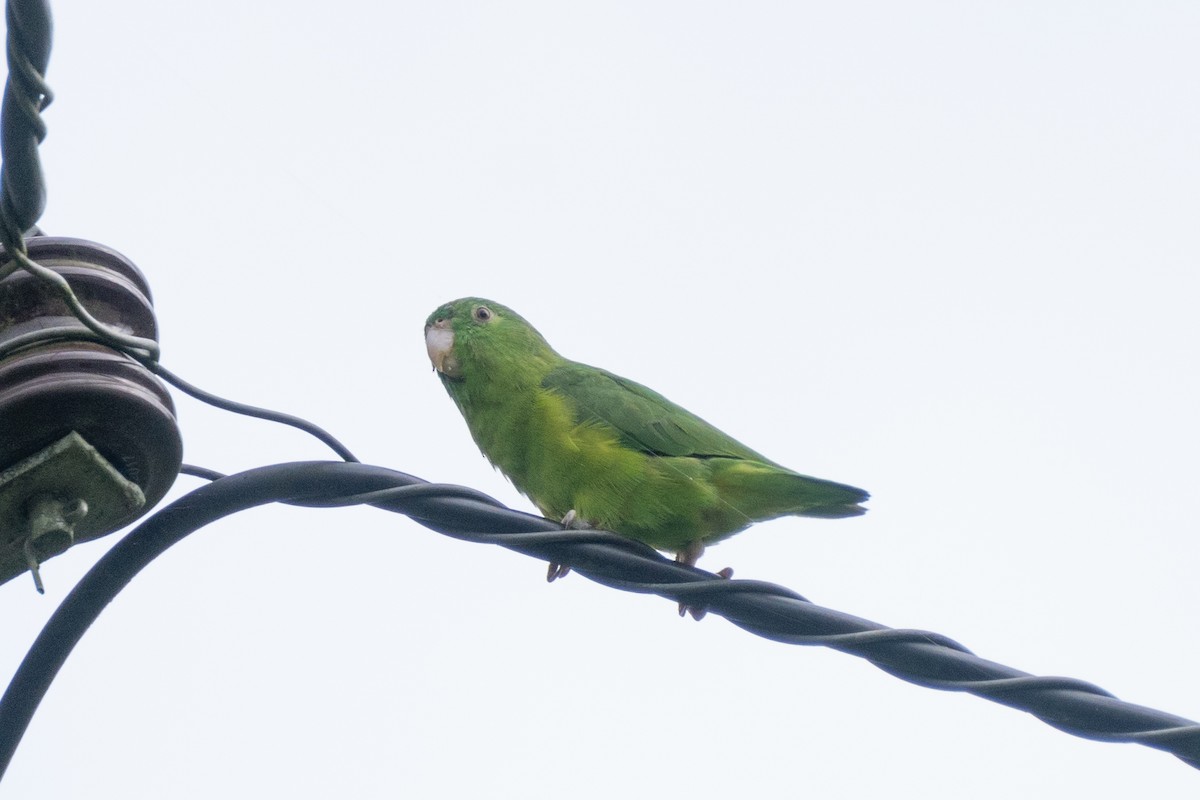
(645, 420)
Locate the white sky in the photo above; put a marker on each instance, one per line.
(945, 252)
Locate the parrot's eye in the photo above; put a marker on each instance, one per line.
(483, 313)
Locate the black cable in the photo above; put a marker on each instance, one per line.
(200, 472)
(145, 543)
(927, 659)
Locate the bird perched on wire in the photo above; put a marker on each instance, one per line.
(600, 451)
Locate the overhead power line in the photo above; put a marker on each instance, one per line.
(774, 612)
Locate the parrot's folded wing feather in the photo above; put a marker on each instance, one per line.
(647, 421)
(644, 419)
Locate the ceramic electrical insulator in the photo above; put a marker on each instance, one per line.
(120, 412)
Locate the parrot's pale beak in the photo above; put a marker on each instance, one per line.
(439, 341)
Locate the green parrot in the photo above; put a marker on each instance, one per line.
(600, 451)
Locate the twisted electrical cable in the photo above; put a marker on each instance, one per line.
(927, 659)
(25, 96)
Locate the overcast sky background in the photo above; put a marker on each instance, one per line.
(943, 251)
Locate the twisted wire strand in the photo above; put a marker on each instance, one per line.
(774, 612)
(26, 95)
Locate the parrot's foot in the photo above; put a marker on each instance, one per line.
(689, 556)
(573, 521)
(698, 612)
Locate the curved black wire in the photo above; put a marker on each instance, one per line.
(250, 411)
(927, 659)
(21, 127)
(200, 472)
(74, 334)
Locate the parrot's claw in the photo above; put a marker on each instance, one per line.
(573, 521)
(690, 555)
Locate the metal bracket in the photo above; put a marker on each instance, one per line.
(64, 494)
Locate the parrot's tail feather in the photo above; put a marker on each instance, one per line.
(765, 491)
(833, 512)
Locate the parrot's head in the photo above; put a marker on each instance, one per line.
(473, 337)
